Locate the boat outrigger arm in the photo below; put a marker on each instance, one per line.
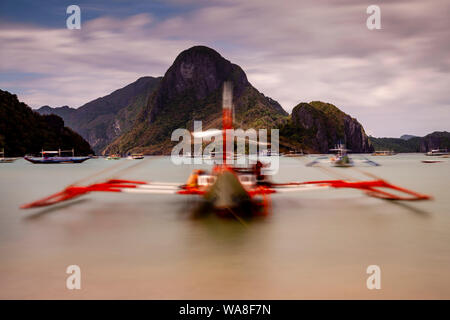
(373, 188)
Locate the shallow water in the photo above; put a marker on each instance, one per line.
(314, 244)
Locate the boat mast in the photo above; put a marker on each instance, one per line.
(227, 116)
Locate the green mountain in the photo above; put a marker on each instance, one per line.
(317, 126)
(102, 120)
(23, 131)
(435, 140)
(192, 90)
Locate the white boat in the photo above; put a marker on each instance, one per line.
(341, 159)
(136, 156)
(437, 152)
(269, 153)
(6, 160)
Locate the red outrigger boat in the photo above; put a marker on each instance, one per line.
(229, 189)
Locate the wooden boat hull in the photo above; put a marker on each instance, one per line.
(227, 192)
(50, 160)
(342, 165)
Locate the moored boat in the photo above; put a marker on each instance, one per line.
(341, 159)
(437, 152)
(113, 157)
(6, 160)
(136, 156)
(384, 153)
(49, 157)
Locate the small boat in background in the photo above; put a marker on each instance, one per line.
(384, 153)
(50, 157)
(431, 161)
(269, 153)
(113, 157)
(6, 160)
(437, 152)
(341, 159)
(136, 156)
(294, 153)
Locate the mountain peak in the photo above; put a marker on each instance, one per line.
(407, 136)
(199, 50)
(203, 70)
(191, 89)
(199, 73)
(63, 112)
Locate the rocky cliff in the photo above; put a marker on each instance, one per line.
(435, 140)
(318, 126)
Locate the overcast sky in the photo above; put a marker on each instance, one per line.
(394, 81)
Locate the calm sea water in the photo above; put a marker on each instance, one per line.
(314, 244)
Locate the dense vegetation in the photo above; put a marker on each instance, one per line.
(435, 140)
(23, 131)
(396, 144)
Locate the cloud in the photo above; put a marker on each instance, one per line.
(81, 65)
(394, 80)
